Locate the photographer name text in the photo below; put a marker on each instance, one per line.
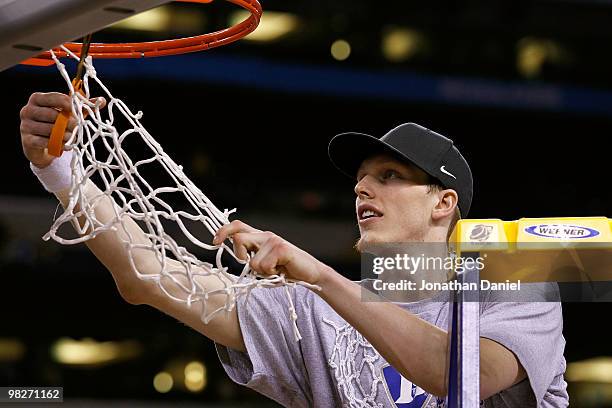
(408, 285)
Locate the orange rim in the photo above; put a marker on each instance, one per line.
(166, 47)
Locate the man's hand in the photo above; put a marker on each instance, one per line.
(273, 254)
(37, 119)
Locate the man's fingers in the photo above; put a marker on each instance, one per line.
(240, 249)
(248, 241)
(39, 113)
(51, 100)
(251, 241)
(67, 136)
(230, 229)
(36, 128)
(100, 99)
(36, 142)
(265, 260)
(72, 122)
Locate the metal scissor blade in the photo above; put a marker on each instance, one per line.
(84, 53)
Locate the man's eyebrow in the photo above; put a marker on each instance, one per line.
(393, 164)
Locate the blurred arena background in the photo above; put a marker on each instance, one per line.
(523, 87)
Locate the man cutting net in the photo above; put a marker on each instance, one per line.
(411, 186)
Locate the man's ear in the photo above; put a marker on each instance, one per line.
(446, 204)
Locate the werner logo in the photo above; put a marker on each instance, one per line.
(561, 231)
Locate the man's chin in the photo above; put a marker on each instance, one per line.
(368, 243)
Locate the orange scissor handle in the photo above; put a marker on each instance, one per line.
(55, 147)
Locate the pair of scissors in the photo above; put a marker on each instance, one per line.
(55, 147)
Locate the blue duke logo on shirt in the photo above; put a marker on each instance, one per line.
(404, 393)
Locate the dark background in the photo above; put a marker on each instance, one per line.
(251, 122)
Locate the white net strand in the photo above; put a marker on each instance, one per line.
(98, 152)
(352, 358)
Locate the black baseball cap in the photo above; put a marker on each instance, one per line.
(433, 153)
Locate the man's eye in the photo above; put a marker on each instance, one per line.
(389, 174)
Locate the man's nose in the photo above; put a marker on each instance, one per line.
(364, 188)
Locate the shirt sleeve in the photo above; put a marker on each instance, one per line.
(532, 330)
(273, 363)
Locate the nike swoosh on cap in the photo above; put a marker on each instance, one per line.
(443, 170)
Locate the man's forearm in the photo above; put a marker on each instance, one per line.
(414, 347)
(111, 249)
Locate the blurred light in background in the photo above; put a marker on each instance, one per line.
(592, 370)
(340, 50)
(195, 376)
(11, 350)
(163, 382)
(165, 18)
(590, 382)
(533, 53)
(201, 164)
(311, 200)
(273, 25)
(187, 375)
(90, 353)
(157, 19)
(591, 395)
(400, 44)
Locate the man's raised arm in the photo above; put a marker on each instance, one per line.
(37, 118)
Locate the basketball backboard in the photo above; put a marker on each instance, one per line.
(28, 27)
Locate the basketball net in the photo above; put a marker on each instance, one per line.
(98, 153)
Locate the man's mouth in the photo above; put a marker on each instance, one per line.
(368, 212)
